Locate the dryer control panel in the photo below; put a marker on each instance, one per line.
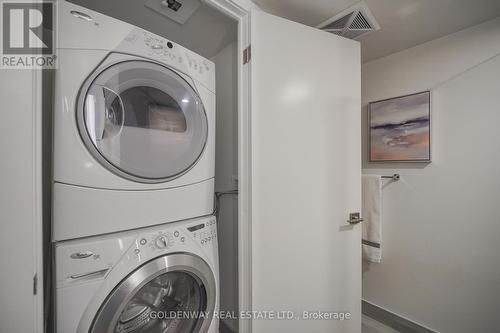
(144, 43)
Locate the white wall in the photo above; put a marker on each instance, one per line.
(441, 222)
(20, 203)
(226, 166)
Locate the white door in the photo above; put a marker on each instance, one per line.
(306, 171)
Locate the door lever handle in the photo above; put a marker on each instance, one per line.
(355, 218)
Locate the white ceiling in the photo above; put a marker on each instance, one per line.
(404, 23)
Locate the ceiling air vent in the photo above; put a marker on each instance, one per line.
(351, 23)
(178, 10)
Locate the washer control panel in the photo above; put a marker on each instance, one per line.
(161, 240)
(204, 233)
(83, 260)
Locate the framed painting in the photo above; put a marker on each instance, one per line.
(400, 129)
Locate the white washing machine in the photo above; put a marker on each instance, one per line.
(158, 279)
(134, 125)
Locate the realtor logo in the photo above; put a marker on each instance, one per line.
(28, 35)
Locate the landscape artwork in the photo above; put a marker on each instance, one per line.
(400, 129)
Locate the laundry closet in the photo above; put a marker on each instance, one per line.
(145, 180)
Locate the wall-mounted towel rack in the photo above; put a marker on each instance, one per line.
(395, 177)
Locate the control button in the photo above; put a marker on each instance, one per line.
(157, 51)
(176, 233)
(161, 242)
(143, 241)
(131, 38)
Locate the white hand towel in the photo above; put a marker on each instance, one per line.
(372, 225)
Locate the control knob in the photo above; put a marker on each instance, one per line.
(161, 242)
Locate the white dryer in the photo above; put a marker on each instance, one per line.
(134, 125)
(157, 279)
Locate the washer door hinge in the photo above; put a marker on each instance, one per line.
(247, 54)
(35, 284)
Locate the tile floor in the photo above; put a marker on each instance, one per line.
(370, 325)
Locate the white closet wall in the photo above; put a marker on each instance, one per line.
(226, 168)
(20, 202)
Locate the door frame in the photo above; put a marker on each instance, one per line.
(240, 10)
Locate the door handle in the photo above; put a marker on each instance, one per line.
(81, 255)
(354, 218)
(89, 274)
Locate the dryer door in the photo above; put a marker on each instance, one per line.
(174, 293)
(142, 121)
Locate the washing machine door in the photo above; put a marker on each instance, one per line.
(142, 121)
(174, 293)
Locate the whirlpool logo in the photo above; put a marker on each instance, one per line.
(28, 35)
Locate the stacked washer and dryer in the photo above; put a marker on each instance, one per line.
(134, 121)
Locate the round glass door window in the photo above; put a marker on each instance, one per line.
(172, 302)
(171, 294)
(143, 121)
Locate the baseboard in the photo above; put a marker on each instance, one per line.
(224, 327)
(393, 320)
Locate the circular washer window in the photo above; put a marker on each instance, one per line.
(142, 121)
(173, 293)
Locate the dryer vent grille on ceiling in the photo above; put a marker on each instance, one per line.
(352, 23)
(178, 10)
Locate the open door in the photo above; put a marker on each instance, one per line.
(305, 178)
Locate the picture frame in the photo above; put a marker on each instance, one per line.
(400, 129)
